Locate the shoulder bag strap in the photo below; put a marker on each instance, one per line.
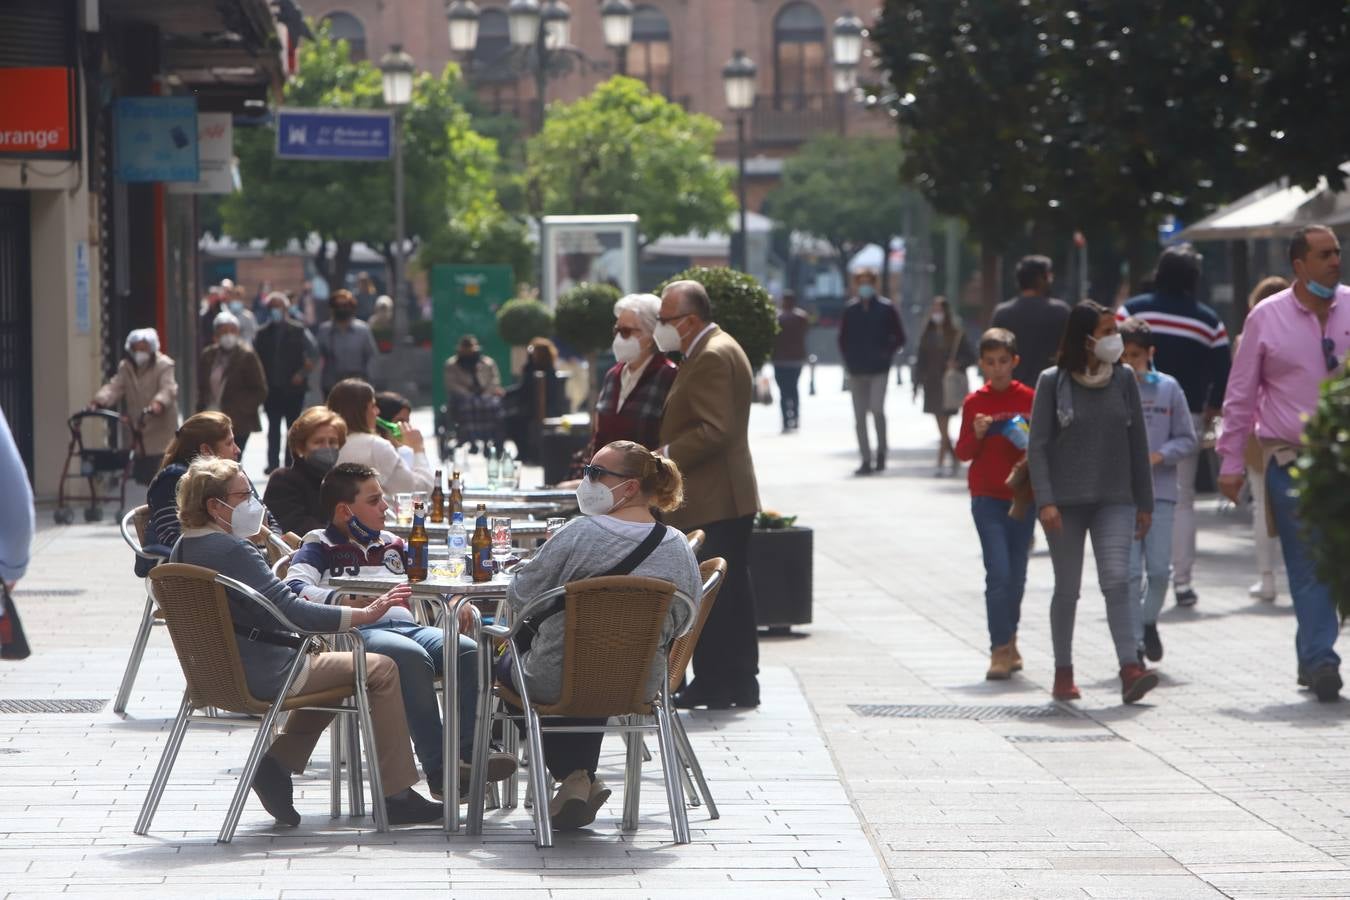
(641, 552)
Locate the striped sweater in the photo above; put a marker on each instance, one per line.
(1192, 345)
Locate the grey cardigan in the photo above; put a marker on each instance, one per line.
(584, 548)
(265, 665)
(1089, 445)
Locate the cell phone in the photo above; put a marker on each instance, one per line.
(390, 428)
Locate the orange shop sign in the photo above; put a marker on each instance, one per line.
(37, 112)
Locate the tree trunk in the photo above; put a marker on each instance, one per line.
(342, 261)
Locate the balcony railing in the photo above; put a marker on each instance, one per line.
(792, 119)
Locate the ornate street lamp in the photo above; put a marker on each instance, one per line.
(556, 20)
(738, 80)
(523, 19)
(848, 38)
(463, 18)
(616, 19)
(397, 69)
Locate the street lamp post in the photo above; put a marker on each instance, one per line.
(397, 68)
(616, 19)
(848, 39)
(463, 18)
(738, 80)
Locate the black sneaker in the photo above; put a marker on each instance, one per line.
(272, 784)
(408, 807)
(1186, 596)
(1325, 682)
(864, 469)
(1153, 648)
(881, 463)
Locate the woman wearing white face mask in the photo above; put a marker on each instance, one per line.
(146, 389)
(943, 347)
(634, 391)
(622, 485)
(1089, 462)
(230, 378)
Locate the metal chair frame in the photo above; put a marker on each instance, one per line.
(128, 525)
(629, 725)
(690, 767)
(360, 712)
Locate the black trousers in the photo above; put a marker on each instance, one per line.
(567, 751)
(280, 405)
(788, 375)
(726, 660)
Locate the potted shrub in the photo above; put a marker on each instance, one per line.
(522, 320)
(740, 306)
(780, 572)
(1323, 479)
(586, 324)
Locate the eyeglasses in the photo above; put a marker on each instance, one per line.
(667, 320)
(1329, 353)
(595, 473)
(625, 331)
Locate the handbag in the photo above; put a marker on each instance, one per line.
(955, 385)
(13, 644)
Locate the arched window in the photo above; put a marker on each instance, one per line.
(649, 53)
(347, 27)
(799, 59)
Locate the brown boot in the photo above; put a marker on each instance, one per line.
(1016, 655)
(1000, 663)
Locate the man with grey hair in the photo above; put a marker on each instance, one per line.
(704, 430)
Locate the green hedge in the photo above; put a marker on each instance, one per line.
(740, 306)
(522, 320)
(1322, 478)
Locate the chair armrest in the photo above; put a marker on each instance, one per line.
(250, 594)
(691, 607)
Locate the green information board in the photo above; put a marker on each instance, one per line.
(465, 300)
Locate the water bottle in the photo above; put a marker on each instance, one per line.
(494, 467)
(507, 476)
(457, 543)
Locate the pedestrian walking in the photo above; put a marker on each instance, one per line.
(1291, 343)
(238, 307)
(1034, 317)
(346, 346)
(17, 527)
(1171, 439)
(288, 354)
(1263, 541)
(705, 431)
(993, 439)
(145, 387)
(789, 355)
(1088, 459)
(366, 296)
(230, 379)
(870, 334)
(940, 372)
(1191, 344)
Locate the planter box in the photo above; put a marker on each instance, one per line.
(780, 576)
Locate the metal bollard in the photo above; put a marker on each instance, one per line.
(811, 361)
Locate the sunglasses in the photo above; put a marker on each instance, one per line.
(595, 473)
(1329, 353)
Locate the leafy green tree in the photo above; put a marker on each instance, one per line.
(585, 322)
(845, 191)
(523, 319)
(499, 239)
(449, 168)
(624, 149)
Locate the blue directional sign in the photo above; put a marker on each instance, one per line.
(156, 138)
(334, 134)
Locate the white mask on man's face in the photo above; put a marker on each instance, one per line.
(668, 338)
(228, 341)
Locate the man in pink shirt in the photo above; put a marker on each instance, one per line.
(1290, 344)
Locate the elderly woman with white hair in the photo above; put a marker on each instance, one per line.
(634, 391)
(146, 390)
(230, 379)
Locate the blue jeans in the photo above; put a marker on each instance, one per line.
(1318, 624)
(1005, 542)
(416, 651)
(1152, 557)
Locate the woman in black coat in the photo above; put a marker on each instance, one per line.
(292, 492)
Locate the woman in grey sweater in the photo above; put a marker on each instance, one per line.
(219, 512)
(1088, 459)
(622, 485)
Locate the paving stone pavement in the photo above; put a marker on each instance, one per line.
(1225, 783)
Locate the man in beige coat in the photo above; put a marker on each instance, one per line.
(704, 430)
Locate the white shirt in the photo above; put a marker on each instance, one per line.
(628, 379)
(396, 476)
(698, 337)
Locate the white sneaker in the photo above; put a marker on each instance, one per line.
(1263, 589)
(570, 807)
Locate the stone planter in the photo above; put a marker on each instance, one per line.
(780, 577)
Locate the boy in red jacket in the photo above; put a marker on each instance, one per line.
(994, 426)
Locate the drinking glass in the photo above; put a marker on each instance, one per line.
(552, 526)
(403, 508)
(455, 567)
(501, 539)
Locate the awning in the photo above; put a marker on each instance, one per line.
(1274, 211)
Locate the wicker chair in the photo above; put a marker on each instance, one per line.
(612, 636)
(133, 532)
(713, 571)
(696, 539)
(197, 614)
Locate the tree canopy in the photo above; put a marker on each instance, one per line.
(448, 167)
(624, 149)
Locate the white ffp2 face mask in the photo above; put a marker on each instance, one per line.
(246, 519)
(228, 341)
(668, 338)
(626, 349)
(140, 357)
(1108, 349)
(594, 499)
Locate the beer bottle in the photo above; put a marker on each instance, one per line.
(418, 550)
(437, 501)
(456, 496)
(481, 547)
